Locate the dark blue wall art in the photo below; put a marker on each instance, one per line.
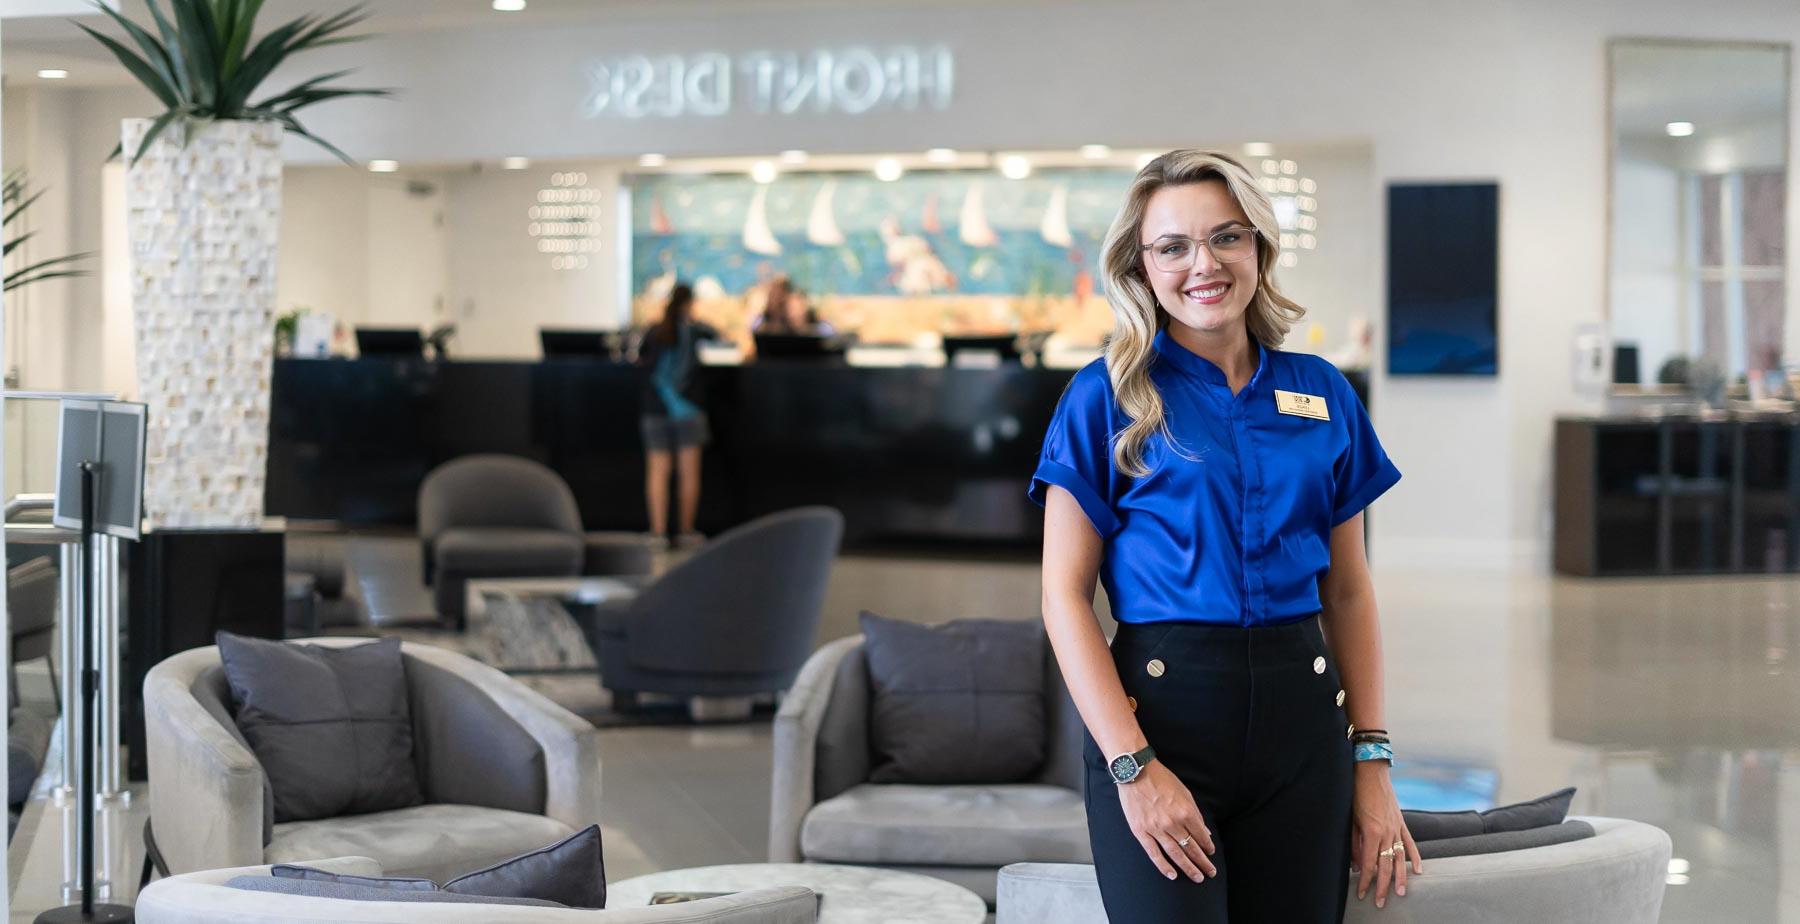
(1443, 269)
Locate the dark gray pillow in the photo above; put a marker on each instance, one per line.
(1523, 816)
(404, 884)
(1502, 841)
(961, 702)
(357, 892)
(570, 872)
(330, 726)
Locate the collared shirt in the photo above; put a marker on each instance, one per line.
(1233, 524)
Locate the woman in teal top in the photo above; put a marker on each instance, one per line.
(672, 423)
(1215, 485)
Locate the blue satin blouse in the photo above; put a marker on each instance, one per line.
(1238, 532)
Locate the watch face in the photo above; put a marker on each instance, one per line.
(1124, 768)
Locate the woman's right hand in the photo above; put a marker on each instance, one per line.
(1161, 812)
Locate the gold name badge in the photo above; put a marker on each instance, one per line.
(1291, 402)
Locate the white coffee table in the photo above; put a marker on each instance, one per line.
(853, 894)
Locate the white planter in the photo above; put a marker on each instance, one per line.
(203, 228)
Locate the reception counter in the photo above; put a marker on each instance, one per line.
(909, 454)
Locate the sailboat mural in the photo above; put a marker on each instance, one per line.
(850, 234)
(757, 236)
(821, 225)
(976, 232)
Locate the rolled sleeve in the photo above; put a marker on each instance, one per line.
(1077, 453)
(1363, 471)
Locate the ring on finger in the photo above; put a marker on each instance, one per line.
(1184, 842)
(1399, 848)
(1387, 854)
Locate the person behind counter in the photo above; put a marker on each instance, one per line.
(673, 424)
(785, 312)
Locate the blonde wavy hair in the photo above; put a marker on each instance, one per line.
(1137, 314)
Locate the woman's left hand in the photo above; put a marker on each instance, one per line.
(1375, 827)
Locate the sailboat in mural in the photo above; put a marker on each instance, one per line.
(975, 230)
(757, 236)
(659, 219)
(821, 224)
(1055, 227)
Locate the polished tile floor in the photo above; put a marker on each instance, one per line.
(1670, 701)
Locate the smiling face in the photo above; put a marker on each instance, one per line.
(1210, 297)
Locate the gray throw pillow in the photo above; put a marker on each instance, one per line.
(398, 883)
(958, 703)
(1523, 816)
(330, 726)
(571, 872)
(1502, 841)
(360, 892)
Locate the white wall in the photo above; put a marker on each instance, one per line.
(1513, 92)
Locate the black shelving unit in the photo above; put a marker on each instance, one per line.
(1679, 495)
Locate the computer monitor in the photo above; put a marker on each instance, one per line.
(797, 346)
(576, 343)
(390, 341)
(1005, 345)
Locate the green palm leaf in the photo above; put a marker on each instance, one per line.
(204, 62)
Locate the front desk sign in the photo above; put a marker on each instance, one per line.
(850, 81)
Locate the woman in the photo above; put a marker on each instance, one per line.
(1215, 486)
(785, 312)
(674, 426)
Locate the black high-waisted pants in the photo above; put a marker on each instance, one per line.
(1249, 720)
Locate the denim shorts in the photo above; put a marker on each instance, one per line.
(667, 434)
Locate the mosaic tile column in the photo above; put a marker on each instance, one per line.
(204, 221)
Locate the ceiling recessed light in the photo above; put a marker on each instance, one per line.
(1680, 129)
(53, 73)
(652, 160)
(516, 163)
(509, 6)
(383, 166)
(1258, 149)
(1095, 151)
(763, 171)
(1015, 166)
(793, 156)
(888, 169)
(940, 155)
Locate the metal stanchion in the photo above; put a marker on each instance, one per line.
(74, 663)
(111, 786)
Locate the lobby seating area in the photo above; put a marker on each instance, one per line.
(910, 462)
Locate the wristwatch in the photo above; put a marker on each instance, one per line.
(1126, 767)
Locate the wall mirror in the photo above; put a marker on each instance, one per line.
(1698, 217)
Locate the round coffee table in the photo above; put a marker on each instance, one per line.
(852, 894)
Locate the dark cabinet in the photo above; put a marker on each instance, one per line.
(1677, 496)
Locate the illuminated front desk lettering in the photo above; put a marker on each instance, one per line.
(851, 81)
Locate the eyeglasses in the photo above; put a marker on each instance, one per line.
(1176, 254)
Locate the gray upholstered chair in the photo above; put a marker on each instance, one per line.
(503, 771)
(31, 595)
(824, 809)
(735, 619)
(1615, 877)
(496, 516)
(203, 898)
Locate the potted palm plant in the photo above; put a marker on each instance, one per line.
(204, 194)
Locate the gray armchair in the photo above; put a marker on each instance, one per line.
(737, 618)
(824, 809)
(503, 770)
(495, 516)
(203, 898)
